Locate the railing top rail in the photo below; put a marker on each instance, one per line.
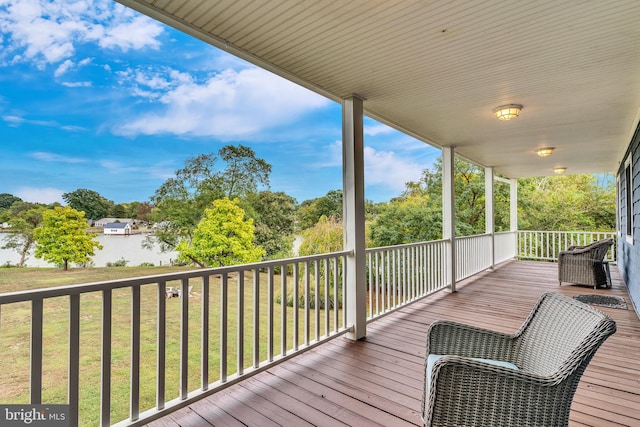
(474, 236)
(58, 291)
(406, 245)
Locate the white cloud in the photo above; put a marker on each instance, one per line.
(40, 195)
(53, 157)
(63, 68)
(68, 65)
(47, 32)
(229, 104)
(387, 169)
(77, 84)
(15, 121)
(137, 33)
(377, 129)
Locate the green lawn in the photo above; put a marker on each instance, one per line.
(15, 332)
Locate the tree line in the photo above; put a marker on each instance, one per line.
(218, 210)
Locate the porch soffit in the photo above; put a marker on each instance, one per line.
(436, 70)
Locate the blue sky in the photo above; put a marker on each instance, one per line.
(94, 95)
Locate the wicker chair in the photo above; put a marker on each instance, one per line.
(584, 265)
(548, 354)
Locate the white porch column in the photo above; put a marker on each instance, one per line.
(513, 213)
(353, 213)
(449, 213)
(513, 204)
(489, 215)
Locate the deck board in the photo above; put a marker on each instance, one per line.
(378, 380)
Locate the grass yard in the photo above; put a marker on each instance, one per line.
(15, 333)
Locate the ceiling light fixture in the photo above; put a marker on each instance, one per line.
(508, 112)
(545, 151)
(559, 171)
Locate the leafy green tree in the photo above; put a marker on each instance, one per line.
(90, 202)
(417, 214)
(222, 237)
(324, 237)
(142, 211)
(567, 203)
(405, 220)
(6, 200)
(274, 216)
(329, 205)
(244, 172)
(24, 219)
(62, 237)
(119, 211)
(180, 201)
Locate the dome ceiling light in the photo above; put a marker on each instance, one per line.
(508, 112)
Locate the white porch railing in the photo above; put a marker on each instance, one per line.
(229, 322)
(505, 245)
(473, 255)
(546, 245)
(123, 336)
(398, 275)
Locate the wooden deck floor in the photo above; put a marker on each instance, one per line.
(378, 381)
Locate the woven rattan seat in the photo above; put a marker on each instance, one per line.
(584, 264)
(551, 351)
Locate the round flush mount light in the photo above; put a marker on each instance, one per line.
(507, 112)
(560, 170)
(545, 151)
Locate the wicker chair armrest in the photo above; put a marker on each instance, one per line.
(445, 337)
(474, 393)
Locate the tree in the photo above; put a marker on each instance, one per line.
(119, 211)
(409, 219)
(567, 203)
(244, 172)
(417, 214)
(24, 218)
(274, 216)
(180, 201)
(62, 237)
(222, 237)
(6, 200)
(329, 205)
(324, 237)
(90, 202)
(142, 211)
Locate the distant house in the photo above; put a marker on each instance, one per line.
(104, 221)
(117, 228)
(4, 225)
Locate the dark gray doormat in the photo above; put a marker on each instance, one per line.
(603, 300)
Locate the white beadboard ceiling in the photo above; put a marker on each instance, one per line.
(436, 69)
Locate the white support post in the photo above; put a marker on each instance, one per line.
(489, 215)
(353, 205)
(513, 213)
(449, 213)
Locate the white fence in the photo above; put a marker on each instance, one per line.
(398, 275)
(227, 323)
(143, 354)
(546, 245)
